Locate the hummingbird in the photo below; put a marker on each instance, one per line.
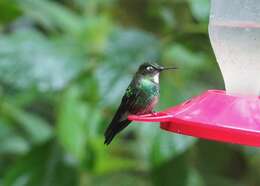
(140, 97)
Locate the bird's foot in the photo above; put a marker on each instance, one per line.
(153, 113)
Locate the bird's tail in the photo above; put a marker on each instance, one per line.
(113, 129)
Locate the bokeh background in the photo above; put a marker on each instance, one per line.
(64, 65)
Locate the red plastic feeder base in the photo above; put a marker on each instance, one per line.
(214, 115)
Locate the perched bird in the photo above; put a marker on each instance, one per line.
(140, 97)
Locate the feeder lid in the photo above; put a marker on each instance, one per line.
(213, 115)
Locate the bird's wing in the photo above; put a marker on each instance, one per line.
(120, 121)
(128, 103)
(130, 100)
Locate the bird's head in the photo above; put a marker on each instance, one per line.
(152, 70)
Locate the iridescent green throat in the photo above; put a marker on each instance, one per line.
(149, 87)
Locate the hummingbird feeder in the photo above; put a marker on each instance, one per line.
(231, 116)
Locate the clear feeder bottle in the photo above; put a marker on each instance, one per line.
(234, 32)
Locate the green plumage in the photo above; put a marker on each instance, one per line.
(148, 91)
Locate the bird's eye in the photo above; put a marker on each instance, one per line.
(149, 68)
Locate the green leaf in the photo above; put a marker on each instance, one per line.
(184, 57)
(216, 162)
(126, 179)
(109, 160)
(43, 166)
(28, 59)
(195, 179)
(37, 129)
(51, 15)
(9, 11)
(11, 142)
(160, 145)
(113, 164)
(200, 9)
(71, 126)
(94, 33)
(173, 172)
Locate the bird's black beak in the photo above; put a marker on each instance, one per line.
(170, 68)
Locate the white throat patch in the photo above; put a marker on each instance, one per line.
(156, 78)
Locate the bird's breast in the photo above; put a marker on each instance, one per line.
(148, 96)
(150, 105)
(149, 87)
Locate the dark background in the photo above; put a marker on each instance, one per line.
(64, 66)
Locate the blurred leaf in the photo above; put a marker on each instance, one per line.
(175, 171)
(168, 145)
(200, 9)
(109, 160)
(161, 146)
(71, 126)
(222, 164)
(14, 145)
(42, 167)
(132, 47)
(168, 16)
(28, 59)
(9, 11)
(91, 32)
(37, 129)
(184, 57)
(96, 2)
(94, 34)
(113, 164)
(195, 179)
(52, 15)
(121, 178)
(11, 142)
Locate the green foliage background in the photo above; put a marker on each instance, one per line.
(64, 65)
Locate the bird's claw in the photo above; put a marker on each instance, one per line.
(154, 113)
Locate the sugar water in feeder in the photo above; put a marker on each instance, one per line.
(234, 31)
